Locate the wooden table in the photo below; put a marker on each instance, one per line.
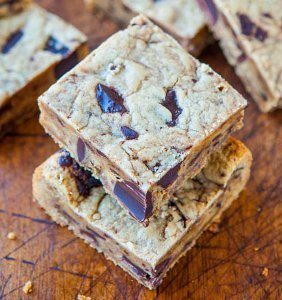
(226, 265)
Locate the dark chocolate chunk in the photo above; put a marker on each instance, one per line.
(84, 180)
(80, 150)
(170, 103)
(129, 133)
(109, 100)
(56, 47)
(139, 204)
(135, 269)
(66, 64)
(261, 34)
(210, 8)
(169, 177)
(247, 25)
(12, 41)
(65, 160)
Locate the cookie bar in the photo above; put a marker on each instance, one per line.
(251, 37)
(9, 7)
(142, 114)
(73, 198)
(181, 18)
(36, 48)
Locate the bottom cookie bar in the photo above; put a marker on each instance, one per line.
(73, 198)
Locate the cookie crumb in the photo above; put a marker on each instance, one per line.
(27, 289)
(214, 228)
(82, 297)
(11, 236)
(256, 248)
(265, 272)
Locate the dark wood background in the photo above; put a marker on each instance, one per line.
(226, 265)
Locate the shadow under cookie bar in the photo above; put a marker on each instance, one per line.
(20, 102)
(249, 47)
(10, 7)
(123, 12)
(73, 199)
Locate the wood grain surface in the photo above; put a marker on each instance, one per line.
(225, 265)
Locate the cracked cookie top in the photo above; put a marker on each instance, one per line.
(189, 205)
(258, 28)
(143, 101)
(30, 43)
(183, 17)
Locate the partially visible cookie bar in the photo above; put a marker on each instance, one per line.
(36, 48)
(74, 198)
(10, 7)
(142, 114)
(181, 18)
(250, 35)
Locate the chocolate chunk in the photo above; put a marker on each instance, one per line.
(135, 269)
(210, 8)
(170, 103)
(169, 177)
(129, 133)
(12, 41)
(261, 34)
(84, 180)
(65, 160)
(66, 64)
(80, 148)
(109, 100)
(56, 47)
(247, 25)
(139, 204)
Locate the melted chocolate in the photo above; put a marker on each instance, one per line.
(139, 204)
(171, 104)
(109, 100)
(169, 177)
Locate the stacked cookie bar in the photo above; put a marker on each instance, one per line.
(36, 48)
(250, 34)
(149, 163)
(183, 19)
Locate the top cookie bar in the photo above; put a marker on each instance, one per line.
(181, 18)
(250, 33)
(142, 114)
